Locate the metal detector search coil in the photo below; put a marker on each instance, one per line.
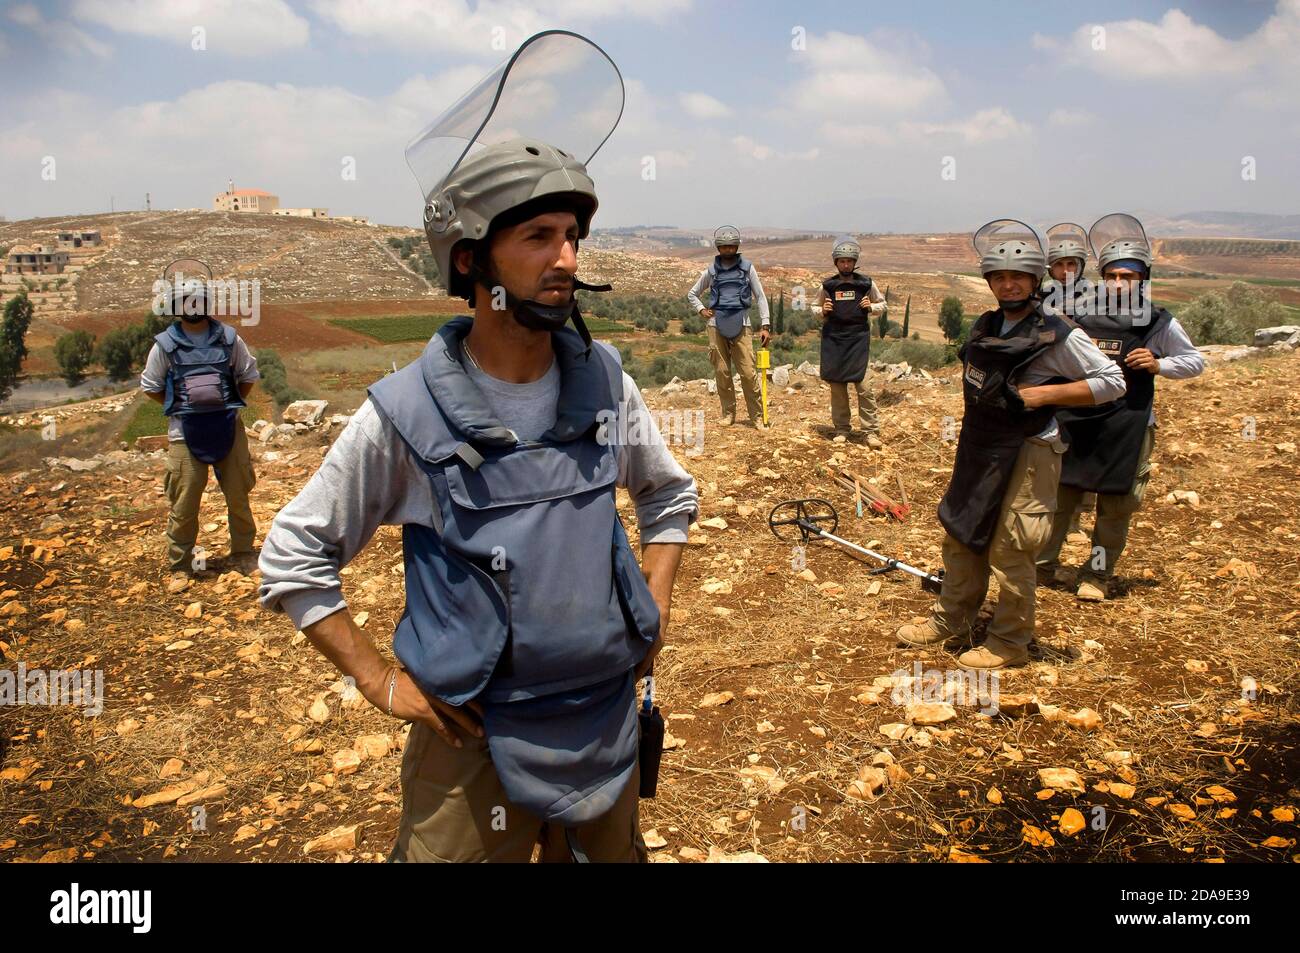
(808, 515)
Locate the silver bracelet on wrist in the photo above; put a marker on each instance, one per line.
(392, 684)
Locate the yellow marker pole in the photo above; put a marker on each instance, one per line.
(764, 362)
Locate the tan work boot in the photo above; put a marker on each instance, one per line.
(994, 653)
(1090, 591)
(728, 419)
(921, 636)
(760, 426)
(873, 441)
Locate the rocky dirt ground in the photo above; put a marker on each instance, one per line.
(1159, 725)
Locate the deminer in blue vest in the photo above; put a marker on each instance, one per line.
(201, 372)
(732, 286)
(1110, 444)
(847, 301)
(1020, 365)
(528, 620)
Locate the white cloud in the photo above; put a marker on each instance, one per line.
(1070, 117)
(61, 36)
(236, 27)
(492, 29)
(748, 148)
(986, 125)
(1177, 47)
(878, 73)
(703, 106)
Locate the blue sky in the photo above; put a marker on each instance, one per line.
(1028, 115)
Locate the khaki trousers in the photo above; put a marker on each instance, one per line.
(1110, 531)
(184, 481)
(1023, 526)
(454, 810)
(735, 357)
(840, 411)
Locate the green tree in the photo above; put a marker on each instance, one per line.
(779, 320)
(950, 318)
(13, 341)
(907, 314)
(74, 352)
(1232, 315)
(882, 323)
(17, 319)
(116, 353)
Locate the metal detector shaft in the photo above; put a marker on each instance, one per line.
(810, 512)
(890, 563)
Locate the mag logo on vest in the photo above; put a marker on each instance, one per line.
(216, 298)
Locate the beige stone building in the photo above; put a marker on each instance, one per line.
(303, 212)
(35, 260)
(245, 200)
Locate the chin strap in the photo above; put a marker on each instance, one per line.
(543, 317)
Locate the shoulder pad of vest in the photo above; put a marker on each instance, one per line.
(165, 340)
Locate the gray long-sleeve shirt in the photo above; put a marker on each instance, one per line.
(1177, 356)
(705, 282)
(369, 478)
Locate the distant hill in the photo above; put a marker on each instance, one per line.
(294, 258)
(1225, 225)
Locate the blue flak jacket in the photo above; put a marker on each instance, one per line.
(201, 378)
(525, 594)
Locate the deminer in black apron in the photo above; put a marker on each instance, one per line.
(847, 302)
(1019, 365)
(1110, 444)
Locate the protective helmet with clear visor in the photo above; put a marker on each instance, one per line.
(526, 131)
(1067, 240)
(1116, 237)
(1007, 244)
(726, 235)
(846, 248)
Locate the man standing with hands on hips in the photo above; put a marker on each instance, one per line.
(528, 620)
(732, 286)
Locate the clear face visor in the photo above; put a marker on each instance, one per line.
(1114, 227)
(1003, 230)
(558, 87)
(1067, 232)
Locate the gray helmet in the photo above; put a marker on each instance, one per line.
(726, 235)
(1009, 245)
(1067, 240)
(846, 248)
(495, 180)
(1118, 236)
